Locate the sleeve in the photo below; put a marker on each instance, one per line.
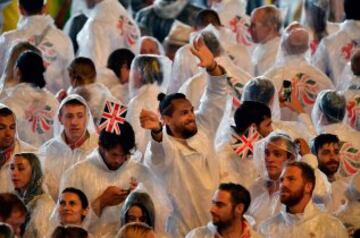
(305, 120)
(212, 104)
(155, 158)
(193, 89)
(3, 53)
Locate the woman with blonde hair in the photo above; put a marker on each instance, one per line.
(136, 230)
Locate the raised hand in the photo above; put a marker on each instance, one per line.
(201, 51)
(149, 120)
(303, 146)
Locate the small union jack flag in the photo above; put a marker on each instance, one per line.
(113, 115)
(244, 144)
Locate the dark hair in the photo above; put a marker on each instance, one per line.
(9, 203)
(6, 231)
(212, 42)
(4, 112)
(118, 58)
(206, 17)
(82, 70)
(321, 140)
(355, 63)
(307, 173)
(150, 68)
(317, 19)
(126, 139)
(250, 112)
(69, 232)
(351, 9)
(73, 102)
(32, 7)
(32, 68)
(165, 106)
(239, 194)
(83, 199)
(333, 106)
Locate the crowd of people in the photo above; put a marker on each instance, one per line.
(181, 118)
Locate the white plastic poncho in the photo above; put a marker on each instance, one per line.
(82, 176)
(56, 48)
(190, 172)
(264, 56)
(335, 51)
(35, 110)
(108, 28)
(6, 184)
(292, 65)
(110, 80)
(349, 138)
(265, 205)
(312, 223)
(210, 231)
(232, 16)
(56, 156)
(153, 39)
(149, 75)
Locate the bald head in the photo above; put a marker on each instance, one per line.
(265, 23)
(296, 40)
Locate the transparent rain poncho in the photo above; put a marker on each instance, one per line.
(82, 176)
(35, 112)
(292, 65)
(56, 156)
(328, 115)
(149, 75)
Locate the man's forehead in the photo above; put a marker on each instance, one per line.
(7, 118)
(182, 103)
(68, 107)
(291, 171)
(330, 145)
(222, 196)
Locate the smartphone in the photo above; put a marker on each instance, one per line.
(287, 90)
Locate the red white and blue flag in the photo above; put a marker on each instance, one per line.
(113, 115)
(244, 144)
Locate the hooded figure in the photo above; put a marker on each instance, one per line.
(328, 115)
(56, 154)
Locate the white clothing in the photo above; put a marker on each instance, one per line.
(6, 184)
(312, 223)
(353, 108)
(190, 171)
(56, 48)
(40, 208)
(108, 28)
(210, 231)
(110, 80)
(309, 82)
(263, 205)
(264, 56)
(56, 157)
(146, 98)
(35, 111)
(338, 198)
(92, 176)
(335, 51)
(350, 215)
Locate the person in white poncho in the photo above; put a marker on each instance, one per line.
(335, 51)
(292, 66)
(108, 175)
(328, 116)
(10, 144)
(299, 217)
(109, 27)
(39, 29)
(265, 32)
(229, 204)
(182, 153)
(74, 138)
(27, 177)
(33, 105)
(149, 76)
(271, 155)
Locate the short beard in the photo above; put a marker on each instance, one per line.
(223, 225)
(323, 168)
(294, 198)
(186, 134)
